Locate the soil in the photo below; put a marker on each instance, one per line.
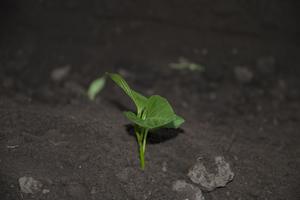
(80, 149)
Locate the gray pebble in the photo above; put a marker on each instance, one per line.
(29, 185)
(209, 181)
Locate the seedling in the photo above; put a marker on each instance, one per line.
(151, 113)
(95, 87)
(185, 64)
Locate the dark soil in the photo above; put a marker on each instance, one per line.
(81, 149)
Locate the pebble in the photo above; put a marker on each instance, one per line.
(243, 74)
(45, 191)
(210, 181)
(60, 73)
(187, 191)
(29, 185)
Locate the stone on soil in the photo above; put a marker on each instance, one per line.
(29, 185)
(209, 181)
(60, 73)
(243, 74)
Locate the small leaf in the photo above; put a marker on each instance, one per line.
(138, 99)
(184, 64)
(95, 87)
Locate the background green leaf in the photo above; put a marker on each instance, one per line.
(95, 87)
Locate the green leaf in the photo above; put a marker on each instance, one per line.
(135, 119)
(184, 63)
(138, 99)
(176, 123)
(157, 113)
(95, 87)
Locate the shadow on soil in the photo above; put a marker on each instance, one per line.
(159, 136)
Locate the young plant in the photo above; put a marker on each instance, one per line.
(151, 113)
(95, 87)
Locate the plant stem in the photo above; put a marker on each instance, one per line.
(145, 140)
(142, 139)
(138, 134)
(142, 157)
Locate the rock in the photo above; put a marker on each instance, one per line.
(60, 73)
(45, 191)
(29, 185)
(187, 191)
(77, 191)
(210, 181)
(243, 74)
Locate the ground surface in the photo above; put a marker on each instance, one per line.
(82, 150)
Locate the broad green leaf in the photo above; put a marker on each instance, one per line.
(158, 107)
(157, 113)
(138, 99)
(95, 87)
(176, 123)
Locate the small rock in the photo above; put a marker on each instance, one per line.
(45, 191)
(60, 73)
(29, 185)
(187, 191)
(210, 181)
(243, 74)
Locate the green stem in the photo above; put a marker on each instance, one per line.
(138, 134)
(145, 140)
(142, 139)
(142, 157)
